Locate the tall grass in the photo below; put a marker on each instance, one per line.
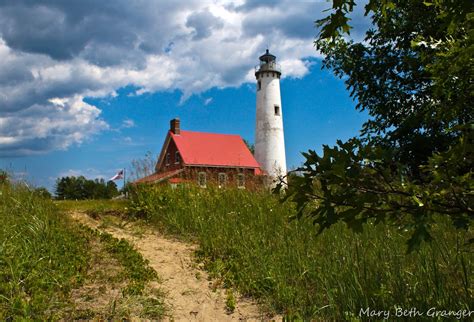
(42, 256)
(247, 240)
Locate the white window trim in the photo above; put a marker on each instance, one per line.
(239, 176)
(224, 181)
(204, 174)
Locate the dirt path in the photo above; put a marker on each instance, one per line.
(190, 294)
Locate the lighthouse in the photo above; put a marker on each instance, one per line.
(269, 137)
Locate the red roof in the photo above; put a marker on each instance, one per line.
(210, 149)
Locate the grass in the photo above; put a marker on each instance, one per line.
(136, 268)
(118, 267)
(93, 207)
(47, 262)
(247, 241)
(42, 256)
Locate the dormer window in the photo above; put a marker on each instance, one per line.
(177, 157)
(167, 159)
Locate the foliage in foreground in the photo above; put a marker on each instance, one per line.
(42, 256)
(356, 183)
(136, 268)
(246, 240)
(414, 157)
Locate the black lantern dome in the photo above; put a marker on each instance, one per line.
(268, 65)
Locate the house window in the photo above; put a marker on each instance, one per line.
(277, 110)
(259, 85)
(222, 179)
(240, 180)
(177, 157)
(167, 159)
(202, 179)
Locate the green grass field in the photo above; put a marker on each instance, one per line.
(101, 206)
(42, 255)
(247, 241)
(48, 264)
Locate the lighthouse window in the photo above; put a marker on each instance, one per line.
(259, 85)
(277, 110)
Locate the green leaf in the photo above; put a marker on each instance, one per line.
(418, 201)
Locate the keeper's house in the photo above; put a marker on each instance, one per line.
(205, 159)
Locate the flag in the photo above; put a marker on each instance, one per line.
(118, 176)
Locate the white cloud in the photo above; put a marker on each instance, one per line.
(68, 51)
(128, 123)
(89, 173)
(208, 101)
(295, 67)
(40, 128)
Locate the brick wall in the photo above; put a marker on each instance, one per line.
(172, 165)
(191, 175)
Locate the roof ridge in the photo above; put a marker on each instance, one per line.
(212, 133)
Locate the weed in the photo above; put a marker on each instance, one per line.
(198, 275)
(230, 301)
(136, 268)
(247, 241)
(42, 255)
(94, 207)
(45, 259)
(154, 307)
(120, 274)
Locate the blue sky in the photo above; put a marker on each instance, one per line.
(87, 89)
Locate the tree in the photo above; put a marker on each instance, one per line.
(42, 192)
(414, 157)
(143, 167)
(3, 177)
(82, 188)
(111, 190)
(250, 146)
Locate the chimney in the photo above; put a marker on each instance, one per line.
(174, 126)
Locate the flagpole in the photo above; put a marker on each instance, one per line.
(124, 179)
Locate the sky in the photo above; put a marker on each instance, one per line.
(88, 86)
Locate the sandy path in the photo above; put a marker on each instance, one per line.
(187, 288)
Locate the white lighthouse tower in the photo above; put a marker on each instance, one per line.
(269, 138)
